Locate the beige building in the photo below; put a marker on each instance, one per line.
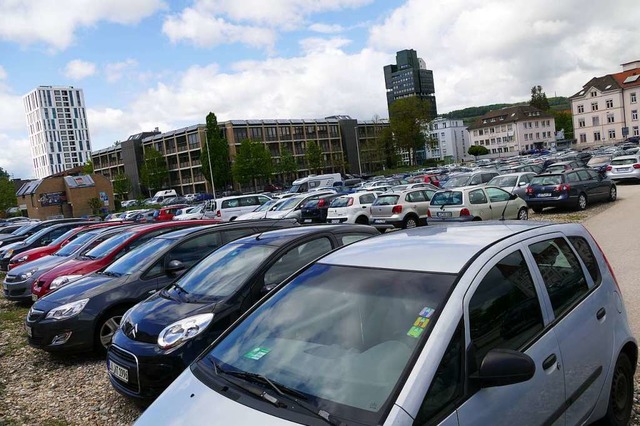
(605, 111)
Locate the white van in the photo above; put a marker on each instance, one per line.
(310, 182)
(163, 195)
(227, 209)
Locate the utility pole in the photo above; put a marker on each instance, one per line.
(213, 185)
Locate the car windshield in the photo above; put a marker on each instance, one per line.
(65, 236)
(223, 271)
(287, 204)
(503, 181)
(266, 206)
(340, 335)
(35, 237)
(547, 180)
(454, 181)
(76, 244)
(24, 230)
(138, 257)
(340, 202)
(446, 198)
(106, 247)
(624, 161)
(386, 200)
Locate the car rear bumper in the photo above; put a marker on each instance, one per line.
(451, 219)
(562, 201)
(635, 174)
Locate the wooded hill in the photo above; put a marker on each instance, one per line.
(471, 114)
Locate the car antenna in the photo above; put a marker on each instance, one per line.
(504, 210)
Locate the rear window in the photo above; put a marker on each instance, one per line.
(386, 200)
(623, 161)
(447, 198)
(340, 202)
(547, 180)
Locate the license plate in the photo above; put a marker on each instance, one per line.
(34, 297)
(379, 221)
(623, 169)
(334, 221)
(119, 371)
(306, 221)
(444, 214)
(28, 329)
(544, 194)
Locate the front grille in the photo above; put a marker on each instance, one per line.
(11, 279)
(34, 315)
(130, 362)
(19, 292)
(123, 354)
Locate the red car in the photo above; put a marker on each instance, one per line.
(428, 178)
(36, 253)
(168, 212)
(105, 253)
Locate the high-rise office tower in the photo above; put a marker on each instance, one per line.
(58, 130)
(409, 77)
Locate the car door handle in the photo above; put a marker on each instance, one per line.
(601, 313)
(549, 362)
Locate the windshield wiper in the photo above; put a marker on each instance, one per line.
(111, 274)
(252, 390)
(86, 256)
(179, 287)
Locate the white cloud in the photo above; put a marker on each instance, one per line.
(13, 159)
(114, 71)
(326, 28)
(315, 44)
(79, 69)
(3, 73)
(55, 22)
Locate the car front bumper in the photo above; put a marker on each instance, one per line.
(18, 291)
(74, 334)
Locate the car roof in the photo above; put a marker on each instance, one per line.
(445, 249)
(625, 157)
(514, 174)
(282, 237)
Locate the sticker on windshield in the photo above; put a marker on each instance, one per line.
(426, 312)
(257, 353)
(421, 322)
(415, 332)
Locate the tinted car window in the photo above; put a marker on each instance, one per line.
(486, 177)
(572, 177)
(477, 197)
(226, 204)
(547, 180)
(586, 254)
(504, 311)
(249, 201)
(475, 180)
(295, 259)
(447, 198)
(191, 251)
(367, 199)
(126, 265)
(584, 175)
(416, 196)
(386, 200)
(561, 273)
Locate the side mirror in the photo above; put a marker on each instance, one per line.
(522, 183)
(174, 266)
(513, 197)
(501, 367)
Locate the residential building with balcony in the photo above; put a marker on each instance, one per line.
(605, 111)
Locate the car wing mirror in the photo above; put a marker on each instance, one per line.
(174, 266)
(502, 367)
(522, 184)
(513, 196)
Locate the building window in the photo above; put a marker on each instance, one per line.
(612, 134)
(594, 94)
(594, 106)
(609, 103)
(526, 137)
(580, 109)
(595, 121)
(633, 98)
(636, 131)
(634, 114)
(596, 136)
(581, 122)
(610, 118)
(583, 137)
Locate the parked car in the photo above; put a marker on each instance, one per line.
(228, 209)
(510, 323)
(160, 336)
(569, 189)
(292, 206)
(432, 179)
(352, 208)
(422, 185)
(315, 210)
(564, 165)
(168, 212)
(514, 183)
(626, 167)
(469, 179)
(128, 203)
(174, 200)
(406, 209)
(600, 162)
(20, 279)
(476, 203)
(261, 211)
(105, 295)
(534, 168)
(26, 231)
(102, 255)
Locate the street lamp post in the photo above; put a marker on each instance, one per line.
(213, 185)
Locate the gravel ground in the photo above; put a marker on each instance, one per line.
(37, 388)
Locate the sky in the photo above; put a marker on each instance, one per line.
(166, 63)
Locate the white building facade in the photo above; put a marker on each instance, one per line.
(606, 110)
(449, 140)
(512, 130)
(58, 130)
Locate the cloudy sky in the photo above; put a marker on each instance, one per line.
(154, 63)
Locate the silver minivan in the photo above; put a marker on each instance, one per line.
(473, 324)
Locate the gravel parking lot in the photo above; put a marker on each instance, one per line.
(37, 388)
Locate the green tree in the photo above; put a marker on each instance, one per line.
(253, 161)
(388, 148)
(96, 204)
(121, 184)
(88, 168)
(477, 150)
(406, 118)
(564, 121)
(7, 192)
(313, 155)
(216, 148)
(539, 98)
(153, 171)
(287, 166)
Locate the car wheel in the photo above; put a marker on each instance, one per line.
(613, 193)
(107, 327)
(621, 393)
(537, 209)
(582, 202)
(409, 222)
(362, 220)
(523, 214)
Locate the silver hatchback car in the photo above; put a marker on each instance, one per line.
(506, 323)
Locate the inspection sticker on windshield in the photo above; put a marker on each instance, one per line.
(426, 312)
(415, 332)
(421, 322)
(257, 353)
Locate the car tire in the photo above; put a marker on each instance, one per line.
(362, 220)
(621, 393)
(106, 328)
(581, 204)
(410, 222)
(523, 214)
(613, 193)
(537, 209)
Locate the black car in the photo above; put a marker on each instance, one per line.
(26, 231)
(107, 294)
(569, 188)
(160, 336)
(39, 239)
(315, 211)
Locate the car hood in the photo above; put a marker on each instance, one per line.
(9, 246)
(192, 399)
(152, 315)
(71, 267)
(44, 263)
(84, 288)
(8, 238)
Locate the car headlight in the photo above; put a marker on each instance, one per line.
(67, 311)
(63, 280)
(22, 259)
(26, 275)
(180, 331)
(8, 254)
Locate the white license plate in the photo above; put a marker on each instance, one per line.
(623, 169)
(444, 214)
(28, 329)
(306, 221)
(379, 221)
(119, 371)
(334, 221)
(544, 194)
(34, 297)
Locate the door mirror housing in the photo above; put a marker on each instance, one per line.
(522, 183)
(174, 266)
(513, 197)
(501, 367)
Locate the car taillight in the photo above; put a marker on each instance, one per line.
(350, 202)
(428, 213)
(604, 256)
(636, 166)
(563, 187)
(219, 213)
(609, 168)
(465, 212)
(529, 190)
(396, 209)
(321, 203)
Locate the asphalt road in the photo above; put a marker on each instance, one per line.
(617, 230)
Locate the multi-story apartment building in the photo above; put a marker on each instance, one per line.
(58, 130)
(409, 76)
(606, 109)
(513, 130)
(447, 140)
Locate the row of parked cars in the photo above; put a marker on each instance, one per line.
(270, 322)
